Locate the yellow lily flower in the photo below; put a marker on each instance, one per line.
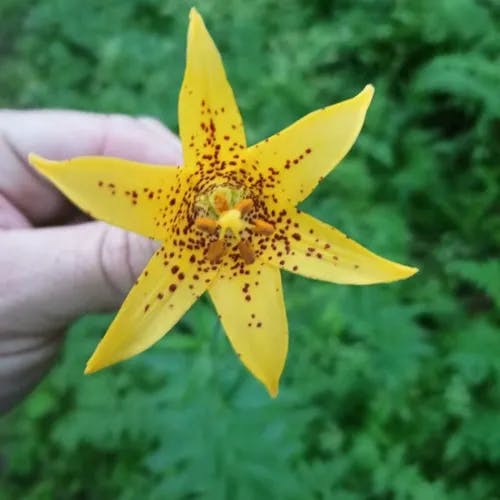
(227, 218)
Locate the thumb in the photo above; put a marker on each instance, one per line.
(52, 275)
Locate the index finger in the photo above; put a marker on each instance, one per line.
(59, 135)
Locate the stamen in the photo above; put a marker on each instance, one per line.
(263, 227)
(215, 251)
(246, 252)
(244, 206)
(206, 224)
(226, 211)
(220, 203)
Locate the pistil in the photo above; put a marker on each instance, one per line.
(231, 221)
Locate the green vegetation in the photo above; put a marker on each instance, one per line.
(390, 392)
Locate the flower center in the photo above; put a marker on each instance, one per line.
(228, 215)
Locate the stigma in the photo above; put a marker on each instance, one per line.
(232, 220)
(228, 215)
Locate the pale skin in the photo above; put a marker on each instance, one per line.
(55, 264)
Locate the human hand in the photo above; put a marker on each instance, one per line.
(53, 266)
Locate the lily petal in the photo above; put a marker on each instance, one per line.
(297, 158)
(171, 282)
(252, 311)
(316, 250)
(124, 193)
(209, 119)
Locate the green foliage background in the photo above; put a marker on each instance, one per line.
(390, 392)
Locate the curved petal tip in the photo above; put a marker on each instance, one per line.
(369, 89)
(400, 272)
(194, 14)
(88, 370)
(91, 367)
(367, 94)
(273, 388)
(40, 163)
(410, 271)
(35, 160)
(98, 361)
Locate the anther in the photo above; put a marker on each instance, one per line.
(206, 224)
(215, 251)
(220, 203)
(244, 206)
(246, 252)
(263, 227)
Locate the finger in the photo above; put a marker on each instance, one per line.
(59, 135)
(10, 216)
(22, 366)
(52, 275)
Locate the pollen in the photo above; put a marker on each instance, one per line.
(220, 203)
(244, 206)
(206, 224)
(246, 252)
(263, 227)
(216, 251)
